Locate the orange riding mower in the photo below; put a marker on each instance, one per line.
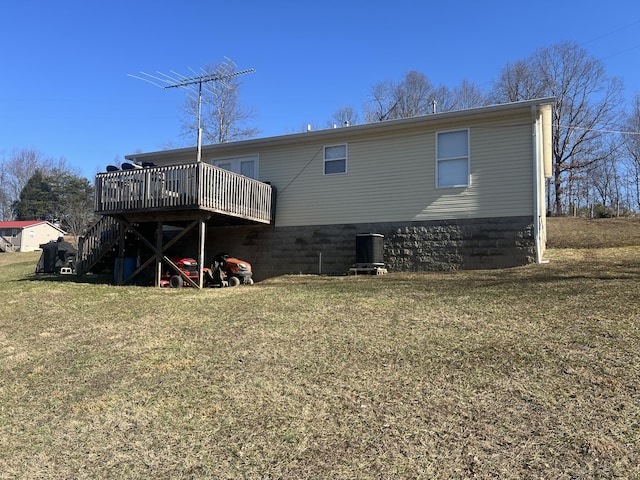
(225, 271)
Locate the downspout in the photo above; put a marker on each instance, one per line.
(539, 116)
(537, 137)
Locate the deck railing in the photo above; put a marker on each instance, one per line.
(183, 187)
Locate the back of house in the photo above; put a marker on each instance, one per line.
(453, 190)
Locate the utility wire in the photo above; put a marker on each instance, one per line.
(301, 170)
(601, 130)
(610, 33)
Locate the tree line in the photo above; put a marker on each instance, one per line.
(36, 187)
(596, 135)
(596, 142)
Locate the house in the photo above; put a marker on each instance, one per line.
(453, 190)
(27, 235)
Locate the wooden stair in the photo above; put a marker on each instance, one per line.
(5, 245)
(96, 243)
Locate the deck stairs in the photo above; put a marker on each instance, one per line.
(97, 243)
(5, 245)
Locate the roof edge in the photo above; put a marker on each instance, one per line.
(27, 223)
(318, 134)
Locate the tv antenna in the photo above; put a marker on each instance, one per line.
(193, 86)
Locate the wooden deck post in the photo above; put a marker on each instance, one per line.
(158, 255)
(202, 228)
(120, 260)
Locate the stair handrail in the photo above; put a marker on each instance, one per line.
(97, 240)
(5, 244)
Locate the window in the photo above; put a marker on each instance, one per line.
(452, 159)
(247, 166)
(335, 159)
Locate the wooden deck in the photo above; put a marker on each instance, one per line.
(189, 195)
(189, 187)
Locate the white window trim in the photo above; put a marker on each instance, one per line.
(468, 157)
(238, 158)
(346, 159)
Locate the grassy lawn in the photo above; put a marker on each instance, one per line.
(531, 372)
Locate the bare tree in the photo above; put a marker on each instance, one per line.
(631, 142)
(604, 176)
(344, 116)
(6, 212)
(74, 199)
(467, 95)
(413, 95)
(382, 104)
(518, 81)
(586, 103)
(442, 100)
(223, 118)
(15, 172)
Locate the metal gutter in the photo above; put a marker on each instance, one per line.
(331, 133)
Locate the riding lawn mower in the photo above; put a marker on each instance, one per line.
(228, 271)
(225, 271)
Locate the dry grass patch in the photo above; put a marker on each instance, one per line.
(593, 233)
(529, 372)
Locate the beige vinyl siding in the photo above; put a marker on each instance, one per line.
(501, 178)
(382, 174)
(392, 178)
(42, 233)
(391, 170)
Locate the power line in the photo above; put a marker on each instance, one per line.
(600, 130)
(556, 125)
(621, 52)
(610, 33)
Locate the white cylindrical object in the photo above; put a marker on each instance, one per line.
(547, 134)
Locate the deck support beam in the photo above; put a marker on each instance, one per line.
(159, 251)
(202, 229)
(158, 254)
(120, 260)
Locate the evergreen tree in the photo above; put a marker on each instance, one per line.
(36, 199)
(61, 197)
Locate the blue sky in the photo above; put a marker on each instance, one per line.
(65, 89)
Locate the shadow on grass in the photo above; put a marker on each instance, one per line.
(56, 278)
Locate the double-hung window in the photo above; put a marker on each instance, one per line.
(335, 159)
(452, 159)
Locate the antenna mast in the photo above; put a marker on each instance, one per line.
(223, 72)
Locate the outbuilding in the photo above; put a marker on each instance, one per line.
(27, 235)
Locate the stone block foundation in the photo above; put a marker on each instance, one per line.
(408, 246)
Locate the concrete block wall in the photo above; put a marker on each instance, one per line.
(408, 246)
